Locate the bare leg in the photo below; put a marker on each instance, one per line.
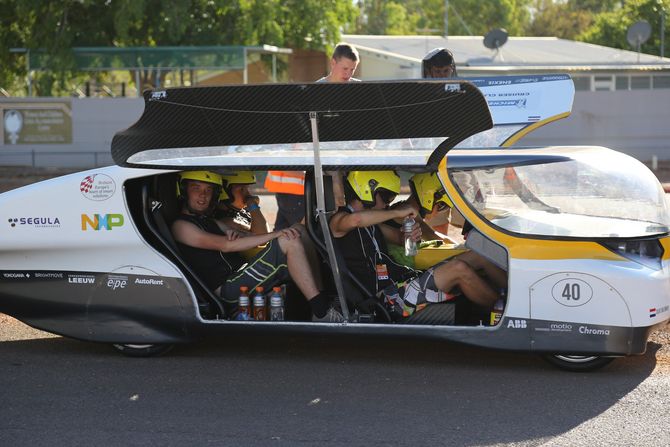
(478, 262)
(298, 266)
(459, 273)
(312, 256)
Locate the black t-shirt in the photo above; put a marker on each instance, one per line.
(212, 266)
(242, 217)
(361, 256)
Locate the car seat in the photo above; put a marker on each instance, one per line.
(160, 208)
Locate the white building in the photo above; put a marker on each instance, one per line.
(622, 99)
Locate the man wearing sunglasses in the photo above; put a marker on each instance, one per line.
(361, 236)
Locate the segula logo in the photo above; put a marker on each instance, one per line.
(97, 187)
(35, 222)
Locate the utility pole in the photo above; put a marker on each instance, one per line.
(446, 18)
(662, 32)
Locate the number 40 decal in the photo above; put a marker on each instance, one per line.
(572, 292)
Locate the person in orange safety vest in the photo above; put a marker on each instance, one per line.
(289, 189)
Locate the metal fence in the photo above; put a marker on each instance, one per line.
(56, 159)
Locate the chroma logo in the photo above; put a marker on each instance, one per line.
(99, 222)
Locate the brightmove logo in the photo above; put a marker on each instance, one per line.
(101, 221)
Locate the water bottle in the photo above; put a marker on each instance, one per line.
(410, 245)
(498, 308)
(276, 305)
(243, 311)
(259, 305)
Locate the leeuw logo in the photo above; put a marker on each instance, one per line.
(101, 221)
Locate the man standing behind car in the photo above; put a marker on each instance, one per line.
(343, 64)
(439, 63)
(289, 186)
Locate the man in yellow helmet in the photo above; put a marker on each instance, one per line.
(429, 197)
(361, 235)
(237, 207)
(212, 249)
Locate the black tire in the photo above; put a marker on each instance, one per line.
(142, 350)
(578, 363)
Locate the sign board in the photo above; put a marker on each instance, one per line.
(36, 123)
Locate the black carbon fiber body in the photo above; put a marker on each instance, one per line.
(437, 314)
(279, 113)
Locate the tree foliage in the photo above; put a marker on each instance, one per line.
(466, 17)
(564, 20)
(58, 25)
(610, 27)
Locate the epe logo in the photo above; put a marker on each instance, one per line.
(101, 221)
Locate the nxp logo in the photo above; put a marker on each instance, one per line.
(101, 221)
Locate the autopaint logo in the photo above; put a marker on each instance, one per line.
(101, 221)
(517, 324)
(657, 310)
(97, 187)
(590, 331)
(115, 282)
(35, 222)
(149, 282)
(81, 279)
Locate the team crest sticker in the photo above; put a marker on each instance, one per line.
(97, 187)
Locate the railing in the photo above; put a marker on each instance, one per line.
(57, 159)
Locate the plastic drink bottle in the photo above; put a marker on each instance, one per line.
(244, 312)
(498, 308)
(276, 305)
(410, 244)
(259, 305)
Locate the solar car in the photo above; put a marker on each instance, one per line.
(582, 232)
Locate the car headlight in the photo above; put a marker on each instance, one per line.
(647, 252)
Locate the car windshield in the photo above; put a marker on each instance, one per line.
(566, 192)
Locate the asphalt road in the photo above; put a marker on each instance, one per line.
(316, 391)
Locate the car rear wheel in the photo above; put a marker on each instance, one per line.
(578, 363)
(142, 350)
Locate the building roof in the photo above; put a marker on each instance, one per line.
(526, 52)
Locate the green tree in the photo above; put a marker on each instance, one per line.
(610, 27)
(58, 25)
(465, 16)
(383, 17)
(565, 20)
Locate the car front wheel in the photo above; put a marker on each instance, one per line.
(578, 363)
(142, 350)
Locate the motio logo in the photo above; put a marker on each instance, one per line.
(101, 221)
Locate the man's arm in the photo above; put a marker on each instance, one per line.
(342, 223)
(189, 234)
(259, 224)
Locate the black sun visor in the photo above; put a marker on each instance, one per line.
(410, 123)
